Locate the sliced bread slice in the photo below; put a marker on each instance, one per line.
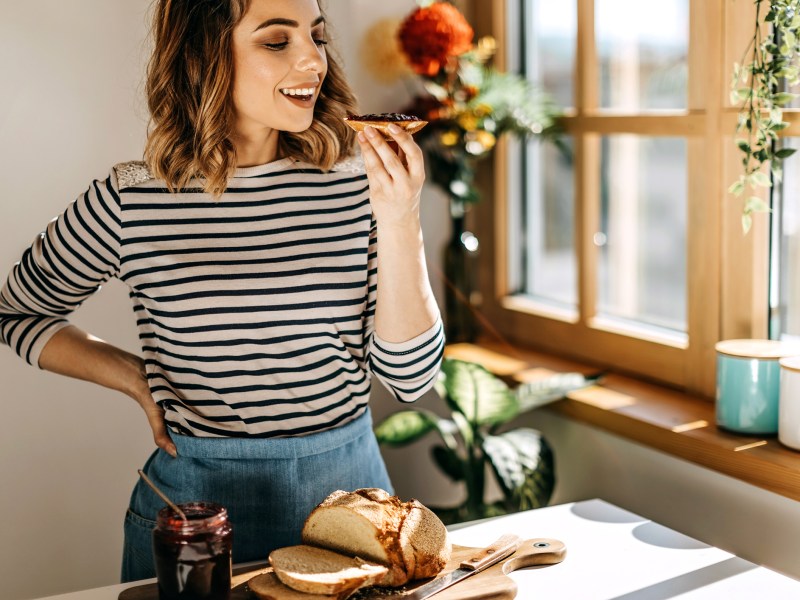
(268, 587)
(318, 571)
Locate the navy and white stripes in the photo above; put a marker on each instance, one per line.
(255, 310)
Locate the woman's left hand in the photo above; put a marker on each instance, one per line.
(395, 178)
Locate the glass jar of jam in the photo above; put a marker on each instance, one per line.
(193, 557)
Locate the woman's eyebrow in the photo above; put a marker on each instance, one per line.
(287, 22)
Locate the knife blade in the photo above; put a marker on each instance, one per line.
(484, 558)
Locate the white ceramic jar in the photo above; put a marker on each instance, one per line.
(789, 403)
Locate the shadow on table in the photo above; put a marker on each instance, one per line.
(690, 581)
(658, 535)
(597, 510)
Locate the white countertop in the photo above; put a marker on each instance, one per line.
(612, 554)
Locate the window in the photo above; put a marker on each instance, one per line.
(785, 272)
(627, 251)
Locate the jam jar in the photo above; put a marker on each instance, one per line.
(193, 557)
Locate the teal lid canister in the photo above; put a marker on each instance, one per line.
(748, 384)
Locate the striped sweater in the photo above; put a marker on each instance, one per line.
(255, 311)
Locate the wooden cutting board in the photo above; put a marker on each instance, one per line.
(149, 591)
(491, 584)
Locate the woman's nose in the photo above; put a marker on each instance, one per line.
(312, 58)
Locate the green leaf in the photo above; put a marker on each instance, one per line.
(404, 427)
(783, 98)
(740, 95)
(534, 394)
(440, 387)
(747, 222)
(756, 204)
(737, 189)
(477, 394)
(762, 179)
(744, 146)
(449, 462)
(785, 153)
(523, 463)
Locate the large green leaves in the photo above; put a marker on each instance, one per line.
(477, 394)
(479, 404)
(404, 427)
(523, 463)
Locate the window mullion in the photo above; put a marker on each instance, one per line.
(586, 80)
(587, 164)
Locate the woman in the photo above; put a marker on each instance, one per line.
(268, 282)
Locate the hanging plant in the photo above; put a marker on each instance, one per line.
(760, 86)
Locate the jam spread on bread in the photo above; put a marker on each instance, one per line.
(386, 117)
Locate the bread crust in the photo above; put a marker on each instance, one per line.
(428, 536)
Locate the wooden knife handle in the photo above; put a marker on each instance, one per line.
(486, 557)
(539, 551)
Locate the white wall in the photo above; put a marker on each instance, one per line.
(70, 107)
(69, 110)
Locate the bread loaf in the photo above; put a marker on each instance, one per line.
(406, 537)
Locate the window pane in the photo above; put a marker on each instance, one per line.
(550, 30)
(642, 52)
(550, 261)
(642, 242)
(785, 296)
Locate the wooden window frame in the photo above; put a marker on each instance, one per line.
(727, 271)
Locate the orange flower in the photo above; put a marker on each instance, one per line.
(431, 35)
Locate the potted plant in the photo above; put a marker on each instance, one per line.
(472, 442)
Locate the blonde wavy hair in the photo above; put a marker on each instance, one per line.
(189, 91)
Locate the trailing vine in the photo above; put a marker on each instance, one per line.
(760, 84)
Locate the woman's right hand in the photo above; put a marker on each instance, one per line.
(75, 353)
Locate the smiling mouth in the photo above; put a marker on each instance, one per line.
(302, 94)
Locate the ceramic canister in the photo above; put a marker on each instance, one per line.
(789, 409)
(748, 384)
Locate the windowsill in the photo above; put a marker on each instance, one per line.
(658, 417)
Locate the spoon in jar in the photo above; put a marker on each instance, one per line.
(161, 495)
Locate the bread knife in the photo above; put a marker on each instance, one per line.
(482, 559)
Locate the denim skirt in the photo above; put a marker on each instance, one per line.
(269, 486)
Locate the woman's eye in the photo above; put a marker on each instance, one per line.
(320, 42)
(276, 45)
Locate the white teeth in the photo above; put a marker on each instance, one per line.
(298, 92)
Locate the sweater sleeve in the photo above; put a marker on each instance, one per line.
(408, 369)
(67, 263)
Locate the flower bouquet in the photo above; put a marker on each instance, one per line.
(468, 103)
